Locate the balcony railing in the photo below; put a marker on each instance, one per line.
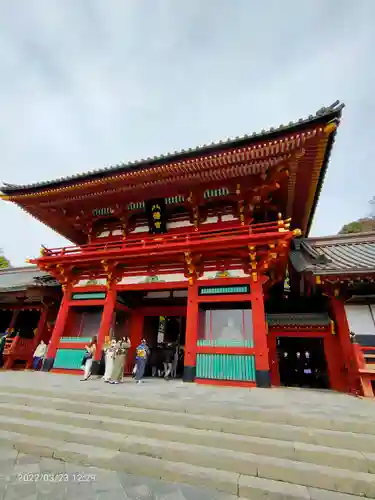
(19, 348)
(180, 242)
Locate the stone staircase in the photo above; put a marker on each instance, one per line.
(253, 453)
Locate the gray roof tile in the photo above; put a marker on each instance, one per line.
(342, 254)
(16, 279)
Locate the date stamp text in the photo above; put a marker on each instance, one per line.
(56, 477)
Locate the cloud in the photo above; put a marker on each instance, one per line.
(89, 84)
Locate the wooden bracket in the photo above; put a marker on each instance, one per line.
(191, 269)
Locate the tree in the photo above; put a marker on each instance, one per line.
(363, 225)
(4, 263)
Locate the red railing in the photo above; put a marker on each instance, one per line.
(183, 240)
(19, 348)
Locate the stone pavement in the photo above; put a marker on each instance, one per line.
(300, 401)
(28, 477)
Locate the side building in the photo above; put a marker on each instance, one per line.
(29, 303)
(189, 248)
(340, 271)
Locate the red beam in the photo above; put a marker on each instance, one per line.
(242, 351)
(81, 303)
(72, 345)
(244, 297)
(162, 310)
(225, 383)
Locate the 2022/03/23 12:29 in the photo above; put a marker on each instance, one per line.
(56, 477)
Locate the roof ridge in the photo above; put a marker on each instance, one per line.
(335, 107)
(19, 269)
(351, 238)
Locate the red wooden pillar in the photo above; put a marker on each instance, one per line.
(58, 329)
(136, 332)
(262, 365)
(13, 320)
(105, 325)
(9, 362)
(39, 334)
(191, 337)
(343, 333)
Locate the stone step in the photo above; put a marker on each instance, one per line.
(139, 420)
(303, 482)
(355, 423)
(297, 451)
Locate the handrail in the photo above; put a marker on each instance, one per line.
(150, 240)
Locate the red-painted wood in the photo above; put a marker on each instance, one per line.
(167, 246)
(72, 345)
(13, 320)
(225, 383)
(165, 285)
(122, 307)
(66, 371)
(106, 321)
(247, 351)
(60, 324)
(89, 288)
(42, 324)
(331, 352)
(343, 332)
(162, 310)
(259, 327)
(84, 303)
(224, 298)
(191, 334)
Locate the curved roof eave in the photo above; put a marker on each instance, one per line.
(326, 112)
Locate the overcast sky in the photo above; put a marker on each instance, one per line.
(89, 83)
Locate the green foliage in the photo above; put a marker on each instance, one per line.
(4, 263)
(363, 225)
(352, 227)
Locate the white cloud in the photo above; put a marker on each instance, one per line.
(89, 84)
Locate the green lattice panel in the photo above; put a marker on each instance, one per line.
(70, 359)
(225, 343)
(225, 367)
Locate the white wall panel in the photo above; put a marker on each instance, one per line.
(360, 319)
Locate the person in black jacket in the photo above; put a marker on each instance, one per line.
(156, 361)
(168, 360)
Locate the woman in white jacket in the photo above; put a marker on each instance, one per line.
(109, 356)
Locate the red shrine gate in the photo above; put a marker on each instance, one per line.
(206, 221)
(264, 246)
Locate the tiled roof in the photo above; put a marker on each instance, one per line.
(19, 278)
(334, 110)
(342, 254)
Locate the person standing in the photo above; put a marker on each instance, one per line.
(142, 352)
(156, 361)
(88, 357)
(2, 346)
(119, 359)
(109, 353)
(168, 361)
(39, 354)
